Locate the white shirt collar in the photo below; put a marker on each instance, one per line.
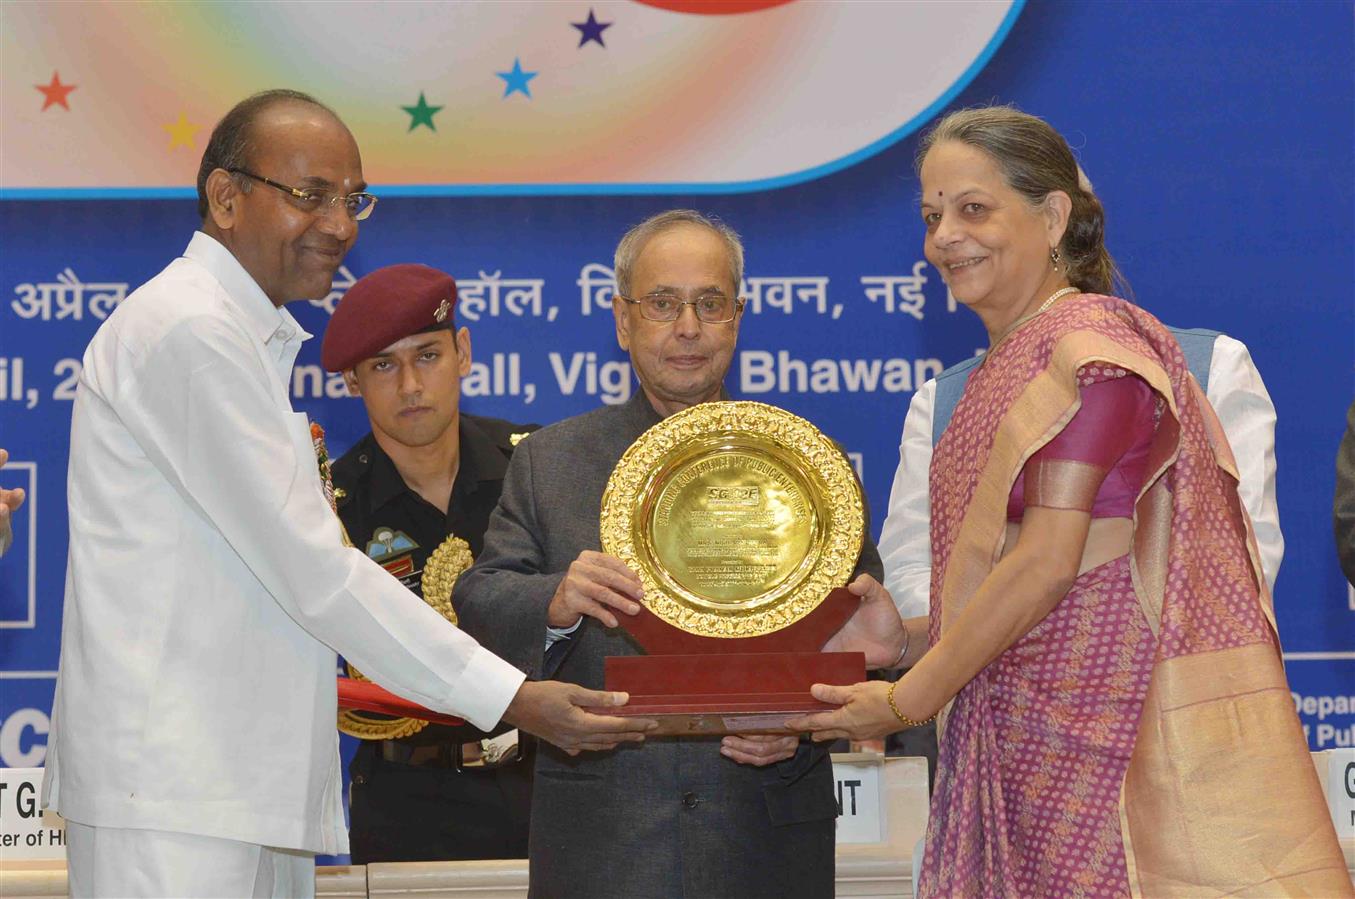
(268, 322)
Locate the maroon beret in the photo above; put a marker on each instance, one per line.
(388, 305)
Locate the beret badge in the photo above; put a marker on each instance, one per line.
(383, 307)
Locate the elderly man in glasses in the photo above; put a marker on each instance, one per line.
(193, 748)
(689, 817)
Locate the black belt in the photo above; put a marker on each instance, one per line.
(433, 755)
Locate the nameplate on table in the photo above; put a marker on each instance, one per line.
(860, 798)
(1341, 789)
(26, 831)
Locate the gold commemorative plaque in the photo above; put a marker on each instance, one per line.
(739, 517)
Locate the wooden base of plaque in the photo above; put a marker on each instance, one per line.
(694, 685)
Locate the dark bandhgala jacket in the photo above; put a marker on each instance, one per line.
(667, 818)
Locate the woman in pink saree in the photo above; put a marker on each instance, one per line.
(1101, 648)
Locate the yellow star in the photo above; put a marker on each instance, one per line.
(181, 132)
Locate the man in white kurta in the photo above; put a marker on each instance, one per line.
(1234, 389)
(193, 747)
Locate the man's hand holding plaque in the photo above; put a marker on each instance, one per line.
(597, 585)
(567, 715)
(875, 629)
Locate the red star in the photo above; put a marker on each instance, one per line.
(55, 93)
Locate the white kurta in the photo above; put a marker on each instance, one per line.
(1239, 399)
(208, 590)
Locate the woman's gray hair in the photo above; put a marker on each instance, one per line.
(628, 250)
(1036, 161)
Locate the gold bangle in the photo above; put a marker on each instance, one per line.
(907, 722)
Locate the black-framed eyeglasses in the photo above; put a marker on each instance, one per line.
(710, 308)
(315, 200)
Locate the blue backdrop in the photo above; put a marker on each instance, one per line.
(1220, 137)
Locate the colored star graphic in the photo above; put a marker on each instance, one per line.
(55, 93)
(181, 132)
(516, 80)
(591, 29)
(421, 114)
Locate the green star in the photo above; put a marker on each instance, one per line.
(421, 114)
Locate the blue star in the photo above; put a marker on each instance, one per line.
(516, 80)
(591, 29)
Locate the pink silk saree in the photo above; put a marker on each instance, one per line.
(1141, 739)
